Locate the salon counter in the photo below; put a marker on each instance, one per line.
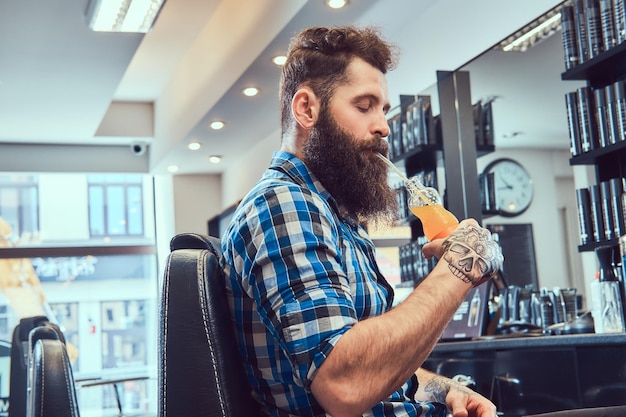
(536, 374)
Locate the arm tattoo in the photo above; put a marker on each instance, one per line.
(438, 389)
(472, 255)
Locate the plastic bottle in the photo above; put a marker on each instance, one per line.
(612, 313)
(547, 309)
(595, 301)
(474, 311)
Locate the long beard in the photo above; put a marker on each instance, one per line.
(350, 172)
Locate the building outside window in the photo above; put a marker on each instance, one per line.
(66, 316)
(83, 252)
(115, 205)
(19, 203)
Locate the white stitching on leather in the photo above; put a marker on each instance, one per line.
(43, 377)
(201, 285)
(68, 383)
(165, 306)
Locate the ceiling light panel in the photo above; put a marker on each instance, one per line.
(535, 32)
(136, 16)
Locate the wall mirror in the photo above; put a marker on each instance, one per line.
(530, 126)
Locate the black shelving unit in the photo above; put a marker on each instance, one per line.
(450, 141)
(602, 70)
(609, 161)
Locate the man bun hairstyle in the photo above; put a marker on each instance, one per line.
(318, 57)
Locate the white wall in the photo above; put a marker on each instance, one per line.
(544, 166)
(197, 198)
(246, 172)
(63, 219)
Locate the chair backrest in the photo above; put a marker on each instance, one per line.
(51, 391)
(200, 369)
(25, 336)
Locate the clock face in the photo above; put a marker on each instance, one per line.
(513, 186)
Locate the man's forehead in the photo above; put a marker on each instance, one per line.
(365, 80)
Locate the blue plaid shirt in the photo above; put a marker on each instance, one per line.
(298, 278)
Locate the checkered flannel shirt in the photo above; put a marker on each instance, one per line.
(298, 278)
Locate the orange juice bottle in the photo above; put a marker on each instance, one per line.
(437, 222)
(425, 203)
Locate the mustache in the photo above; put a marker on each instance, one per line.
(377, 144)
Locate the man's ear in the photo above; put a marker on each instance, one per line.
(305, 108)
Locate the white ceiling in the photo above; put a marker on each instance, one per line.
(63, 86)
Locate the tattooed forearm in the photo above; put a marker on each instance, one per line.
(472, 255)
(438, 389)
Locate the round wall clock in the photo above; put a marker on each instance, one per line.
(513, 186)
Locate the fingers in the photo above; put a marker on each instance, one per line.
(472, 254)
(433, 249)
(470, 405)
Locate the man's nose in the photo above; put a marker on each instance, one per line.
(381, 127)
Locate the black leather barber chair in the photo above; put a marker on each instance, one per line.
(41, 379)
(51, 391)
(200, 369)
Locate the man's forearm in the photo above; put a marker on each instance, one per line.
(432, 387)
(379, 354)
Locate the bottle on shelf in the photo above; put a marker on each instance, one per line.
(611, 307)
(546, 309)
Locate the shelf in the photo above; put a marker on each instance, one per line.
(595, 155)
(416, 151)
(483, 150)
(590, 247)
(602, 70)
(491, 213)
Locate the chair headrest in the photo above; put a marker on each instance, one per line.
(43, 332)
(196, 241)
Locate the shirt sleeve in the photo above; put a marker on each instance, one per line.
(294, 273)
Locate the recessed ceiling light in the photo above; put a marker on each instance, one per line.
(217, 125)
(250, 91)
(336, 4)
(215, 159)
(194, 146)
(172, 168)
(279, 60)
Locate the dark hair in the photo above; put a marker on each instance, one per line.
(319, 56)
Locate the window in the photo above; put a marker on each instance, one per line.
(102, 292)
(66, 316)
(123, 334)
(115, 205)
(19, 203)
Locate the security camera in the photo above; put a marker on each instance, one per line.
(138, 148)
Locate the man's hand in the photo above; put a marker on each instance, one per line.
(463, 402)
(460, 400)
(472, 254)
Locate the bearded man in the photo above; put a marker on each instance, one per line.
(311, 310)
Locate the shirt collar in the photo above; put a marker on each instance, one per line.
(299, 173)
